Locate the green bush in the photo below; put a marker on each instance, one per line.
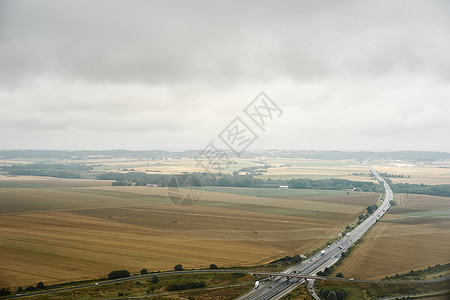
(118, 274)
(155, 279)
(144, 271)
(5, 291)
(186, 286)
(238, 275)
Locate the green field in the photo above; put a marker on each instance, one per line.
(295, 176)
(444, 213)
(358, 291)
(275, 192)
(14, 184)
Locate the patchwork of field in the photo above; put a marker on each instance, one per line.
(413, 235)
(421, 173)
(281, 168)
(317, 169)
(57, 234)
(12, 181)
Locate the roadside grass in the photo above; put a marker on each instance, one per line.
(300, 292)
(15, 184)
(226, 284)
(358, 291)
(430, 214)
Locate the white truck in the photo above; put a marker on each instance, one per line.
(322, 252)
(257, 284)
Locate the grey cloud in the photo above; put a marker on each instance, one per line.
(177, 41)
(367, 70)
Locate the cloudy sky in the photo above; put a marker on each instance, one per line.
(348, 75)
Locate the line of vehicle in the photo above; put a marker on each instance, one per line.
(326, 257)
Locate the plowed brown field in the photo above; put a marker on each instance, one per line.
(73, 233)
(404, 242)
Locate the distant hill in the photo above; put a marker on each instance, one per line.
(430, 156)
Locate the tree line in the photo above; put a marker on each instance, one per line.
(225, 180)
(74, 171)
(77, 171)
(424, 189)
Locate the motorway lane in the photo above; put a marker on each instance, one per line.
(275, 289)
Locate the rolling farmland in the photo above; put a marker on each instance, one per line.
(56, 234)
(412, 236)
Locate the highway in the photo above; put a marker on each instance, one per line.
(281, 285)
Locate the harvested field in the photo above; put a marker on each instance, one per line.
(62, 234)
(403, 242)
(330, 196)
(42, 181)
(415, 202)
(424, 173)
(358, 291)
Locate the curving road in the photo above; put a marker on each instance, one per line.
(281, 285)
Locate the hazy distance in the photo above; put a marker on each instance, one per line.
(348, 75)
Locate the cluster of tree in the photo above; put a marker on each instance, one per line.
(419, 273)
(138, 178)
(361, 218)
(178, 267)
(394, 175)
(253, 170)
(199, 179)
(118, 274)
(122, 183)
(186, 286)
(371, 209)
(435, 190)
(5, 291)
(326, 272)
(51, 170)
(331, 184)
(237, 275)
(39, 286)
(155, 279)
(287, 260)
(332, 295)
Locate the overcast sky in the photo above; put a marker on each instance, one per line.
(348, 75)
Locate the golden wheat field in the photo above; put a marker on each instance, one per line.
(62, 233)
(420, 173)
(413, 235)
